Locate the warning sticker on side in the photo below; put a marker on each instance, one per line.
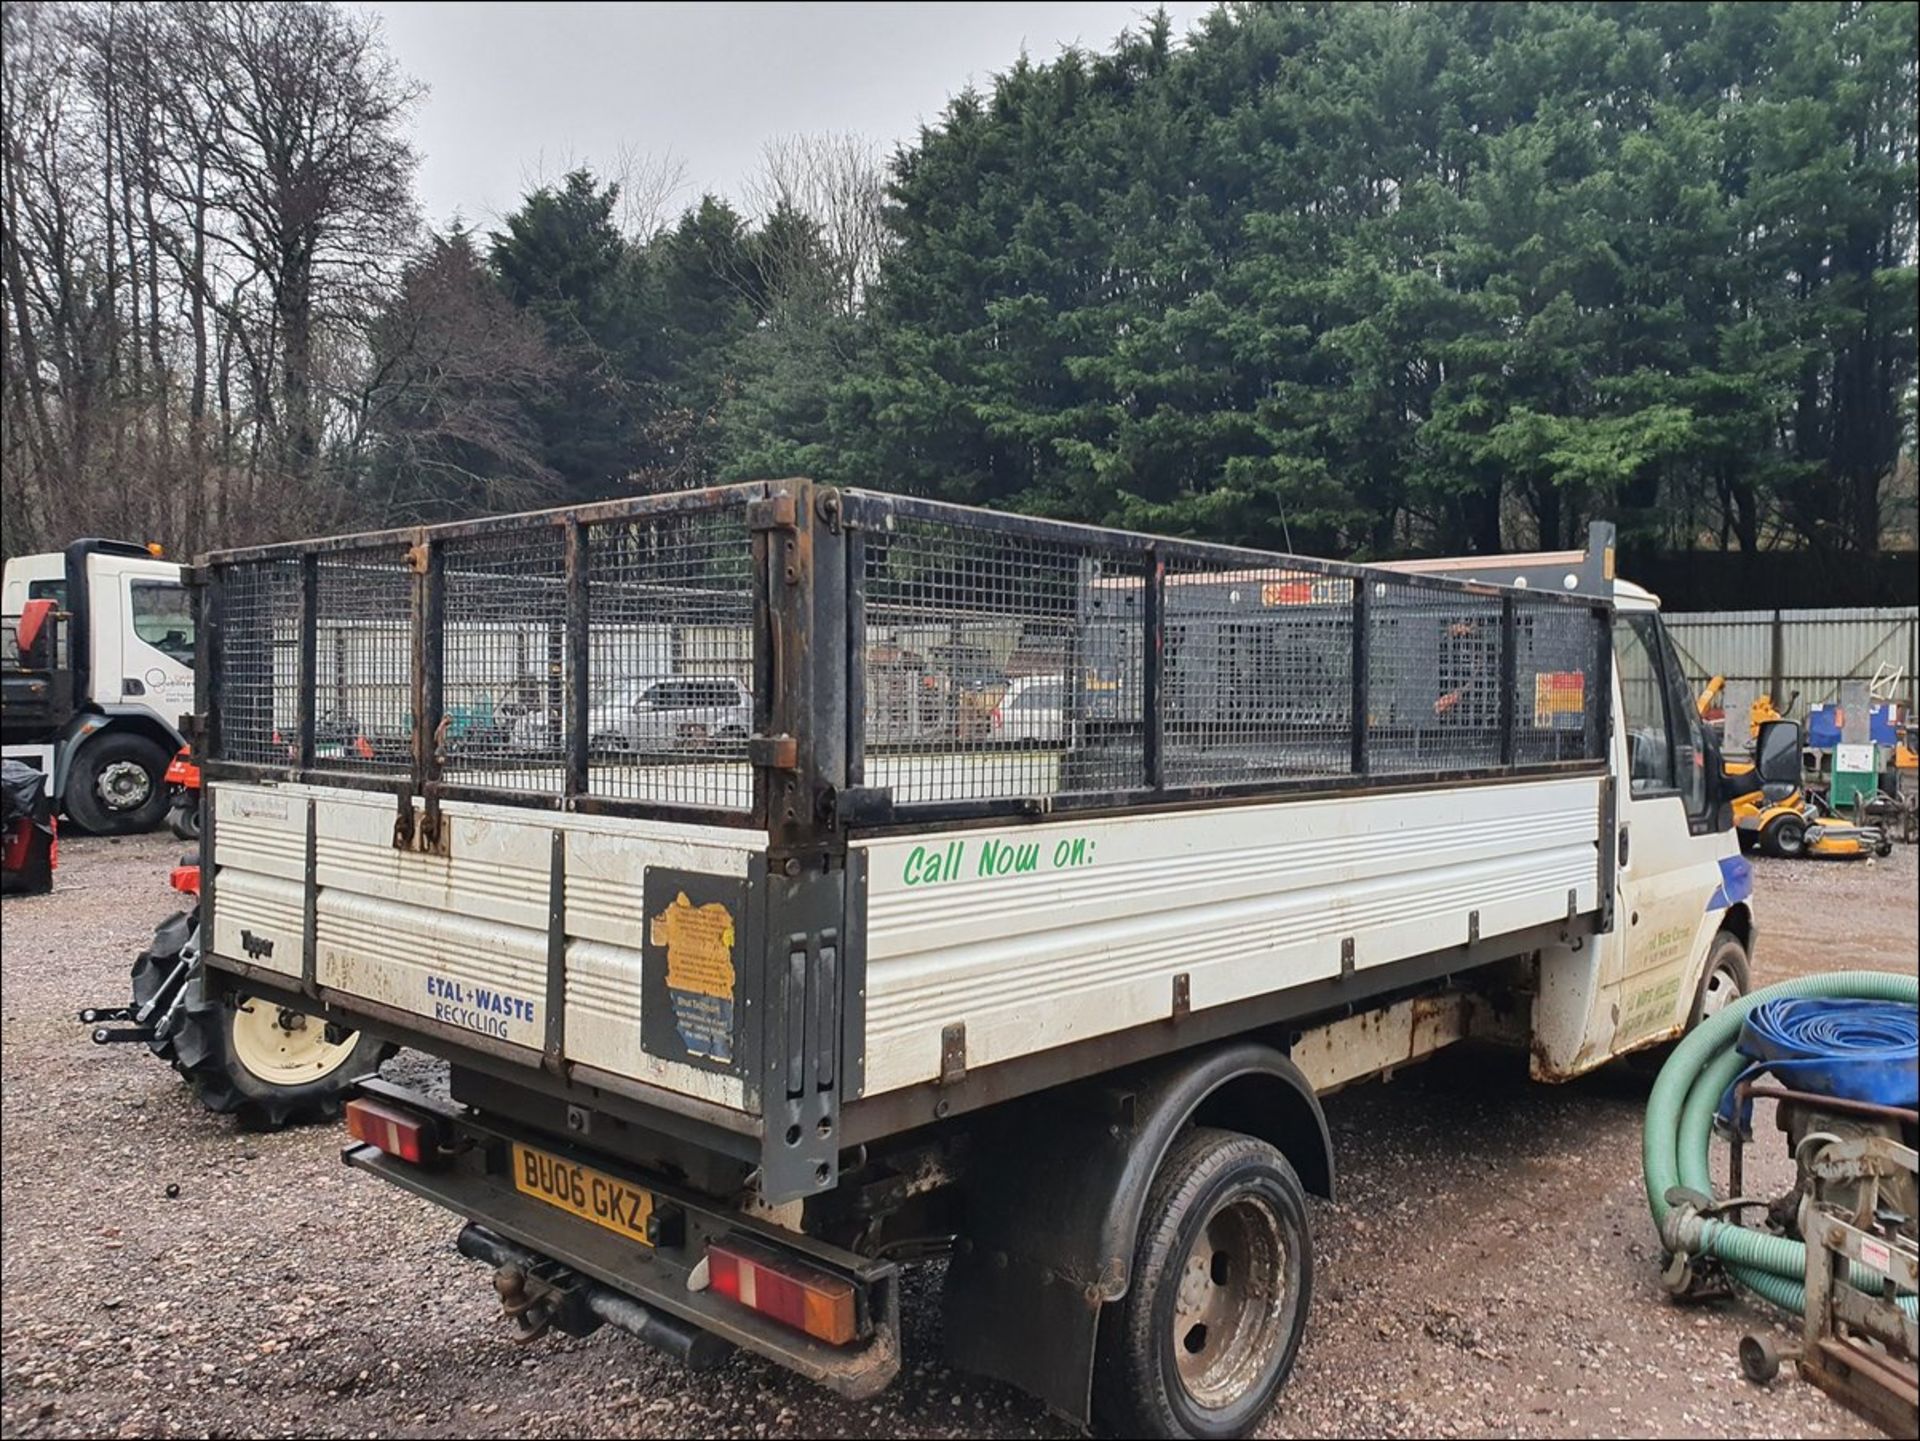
(690, 967)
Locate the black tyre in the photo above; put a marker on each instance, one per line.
(1749, 841)
(269, 1066)
(118, 785)
(1786, 837)
(1222, 1282)
(1728, 976)
(183, 819)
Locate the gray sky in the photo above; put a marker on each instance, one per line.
(526, 91)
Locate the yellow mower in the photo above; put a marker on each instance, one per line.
(1774, 813)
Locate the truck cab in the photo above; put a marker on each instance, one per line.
(109, 628)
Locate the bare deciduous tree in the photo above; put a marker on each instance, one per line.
(202, 204)
(838, 182)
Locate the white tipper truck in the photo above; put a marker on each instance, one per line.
(738, 1028)
(95, 696)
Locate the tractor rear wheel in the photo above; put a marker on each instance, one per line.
(268, 1065)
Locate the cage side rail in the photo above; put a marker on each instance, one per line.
(875, 511)
(597, 512)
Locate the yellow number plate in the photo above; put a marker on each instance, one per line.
(618, 1205)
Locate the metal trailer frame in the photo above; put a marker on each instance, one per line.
(811, 583)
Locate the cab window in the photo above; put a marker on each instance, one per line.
(54, 590)
(1643, 698)
(163, 617)
(1689, 731)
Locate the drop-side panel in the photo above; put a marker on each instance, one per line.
(463, 939)
(1037, 936)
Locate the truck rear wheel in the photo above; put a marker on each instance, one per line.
(1222, 1281)
(117, 785)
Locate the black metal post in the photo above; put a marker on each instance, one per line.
(309, 668)
(578, 658)
(1362, 700)
(429, 690)
(1509, 676)
(1152, 656)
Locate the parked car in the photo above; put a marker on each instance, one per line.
(653, 715)
(1033, 711)
(678, 713)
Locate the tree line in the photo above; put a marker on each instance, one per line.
(1351, 279)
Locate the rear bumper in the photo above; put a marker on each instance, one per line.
(476, 1183)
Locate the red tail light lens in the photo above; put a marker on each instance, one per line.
(186, 880)
(397, 1132)
(787, 1291)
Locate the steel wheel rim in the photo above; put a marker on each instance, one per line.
(1233, 1306)
(124, 785)
(1723, 989)
(283, 1047)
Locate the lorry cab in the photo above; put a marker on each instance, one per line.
(126, 646)
(1679, 928)
(1663, 969)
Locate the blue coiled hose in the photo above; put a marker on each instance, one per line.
(1856, 1050)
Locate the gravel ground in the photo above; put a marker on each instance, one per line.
(1489, 1270)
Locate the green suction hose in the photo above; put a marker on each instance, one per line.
(1679, 1129)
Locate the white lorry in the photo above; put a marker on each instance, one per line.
(95, 695)
(735, 1034)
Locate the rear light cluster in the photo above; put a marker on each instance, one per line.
(186, 880)
(390, 1129)
(787, 1291)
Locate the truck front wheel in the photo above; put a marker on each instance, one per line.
(117, 785)
(1222, 1281)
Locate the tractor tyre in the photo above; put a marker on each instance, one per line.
(268, 1065)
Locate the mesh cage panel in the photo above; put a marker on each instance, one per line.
(1433, 680)
(1557, 670)
(999, 665)
(670, 658)
(260, 647)
(1258, 677)
(504, 697)
(363, 662)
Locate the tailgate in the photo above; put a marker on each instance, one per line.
(643, 921)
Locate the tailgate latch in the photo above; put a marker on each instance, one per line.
(422, 831)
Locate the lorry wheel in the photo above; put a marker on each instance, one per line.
(117, 785)
(1222, 1282)
(1728, 977)
(1786, 837)
(266, 1064)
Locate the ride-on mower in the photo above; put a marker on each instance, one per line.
(1776, 815)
